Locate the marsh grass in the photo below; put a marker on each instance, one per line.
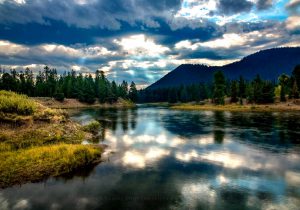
(36, 163)
(41, 134)
(11, 102)
(37, 142)
(92, 127)
(238, 108)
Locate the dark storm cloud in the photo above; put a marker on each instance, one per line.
(294, 7)
(87, 14)
(76, 26)
(228, 7)
(60, 33)
(264, 4)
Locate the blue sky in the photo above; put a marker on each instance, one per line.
(141, 40)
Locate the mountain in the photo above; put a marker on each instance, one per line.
(269, 64)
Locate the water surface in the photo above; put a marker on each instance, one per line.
(169, 159)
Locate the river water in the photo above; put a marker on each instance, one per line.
(159, 158)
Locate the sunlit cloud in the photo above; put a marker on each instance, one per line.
(293, 23)
(139, 159)
(143, 40)
(140, 45)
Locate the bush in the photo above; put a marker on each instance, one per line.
(14, 103)
(59, 97)
(92, 127)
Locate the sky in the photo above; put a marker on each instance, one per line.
(141, 40)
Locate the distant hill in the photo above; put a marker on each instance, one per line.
(269, 64)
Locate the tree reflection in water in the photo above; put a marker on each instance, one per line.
(168, 159)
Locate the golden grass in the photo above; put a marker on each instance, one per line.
(37, 163)
(75, 104)
(239, 108)
(11, 102)
(40, 134)
(37, 141)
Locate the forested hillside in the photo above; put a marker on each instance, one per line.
(48, 83)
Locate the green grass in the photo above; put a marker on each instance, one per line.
(37, 142)
(92, 127)
(13, 103)
(40, 162)
(236, 107)
(39, 135)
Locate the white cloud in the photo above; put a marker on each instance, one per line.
(186, 44)
(293, 23)
(8, 48)
(227, 41)
(142, 45)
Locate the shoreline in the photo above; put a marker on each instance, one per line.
(37, 142)
(75, 104)
(282, 107)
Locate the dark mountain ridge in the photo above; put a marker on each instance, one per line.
(269, 64)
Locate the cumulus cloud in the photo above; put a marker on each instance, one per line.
(86, 14)
(293, 23)
(264, 4)
(140, 40)
(229, 7)
(293, 7)
(140, 45)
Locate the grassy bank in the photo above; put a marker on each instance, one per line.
(39, 162)
(37, 142)
(234, 107)
(74, 103)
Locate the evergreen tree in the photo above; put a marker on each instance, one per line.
(7, 81)
(123, 90)
(114, 89)
(183, 95)
(234, 92)
(172, 96)
(257, 86)
(133, 93)
(268, 93)
(242, 88)
(295, 91)
(283, 82)
(102, 94)
(296, 75)
(29, 77)
(219, 88)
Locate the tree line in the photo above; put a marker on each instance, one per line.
(257, 91)
(48, 83)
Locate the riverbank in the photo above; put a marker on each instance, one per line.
(37, 142)
(280, 107)
(75, 104)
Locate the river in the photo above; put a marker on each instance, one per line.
(159, 158)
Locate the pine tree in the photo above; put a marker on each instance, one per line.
(183, 95)
(219, 88)
(29, 82)
(283, 82)
(123, 90)
(296, 75)
(257, 85)
(295, 91)
(172, 96)
(234, 92)
(133, 93)
(102, 94)
(268, 92)
(114, 89)
(242, 88)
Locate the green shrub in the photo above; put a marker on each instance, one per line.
(59, 97)
(92, 127)
(11, 102)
